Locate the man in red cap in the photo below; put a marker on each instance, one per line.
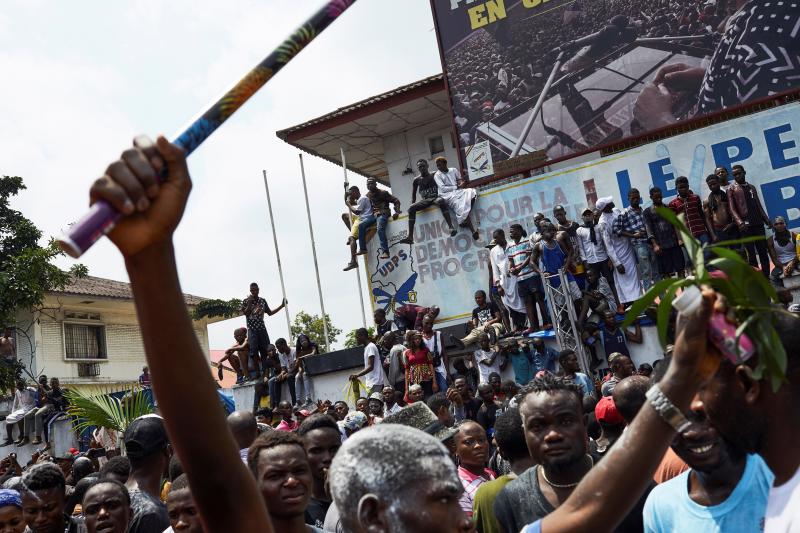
(611, 424)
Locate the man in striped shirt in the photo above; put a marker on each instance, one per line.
(529, 284)
(691, 206)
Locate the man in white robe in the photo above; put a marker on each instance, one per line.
(24, 401)
(621, 253)
(460, 201)
(506, 283)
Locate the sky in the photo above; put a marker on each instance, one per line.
(81, 79)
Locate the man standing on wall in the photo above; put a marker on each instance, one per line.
(253, 308)
(689, 204)
(663, 237)
(718, 213)
(429, 191)
(592, 249)
(570, 227)
(630, 224)
(503, 281)
(746, 209)
(626, 277)
(528, 283)
(449, 181)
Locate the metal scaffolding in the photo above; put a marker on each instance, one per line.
(565, 318)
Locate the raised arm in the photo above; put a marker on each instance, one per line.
(177, 363)
(271, 312)
(607, 493)
(636, 334)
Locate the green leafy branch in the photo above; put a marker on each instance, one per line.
(98, 408)
(749, 295)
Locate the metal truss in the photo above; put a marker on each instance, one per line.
(565, 318)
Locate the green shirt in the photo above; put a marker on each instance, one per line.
(485, 521)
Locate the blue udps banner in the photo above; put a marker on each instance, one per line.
(446, 271)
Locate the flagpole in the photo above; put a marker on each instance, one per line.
(277, 255)
(314, 252)
(358, 271)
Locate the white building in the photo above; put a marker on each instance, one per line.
(88, 334)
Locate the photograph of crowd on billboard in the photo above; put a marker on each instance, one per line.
(561, 77)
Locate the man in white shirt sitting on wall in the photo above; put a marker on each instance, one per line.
(459, 200)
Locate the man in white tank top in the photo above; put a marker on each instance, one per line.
(782, 247)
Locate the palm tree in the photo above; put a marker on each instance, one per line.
(98, 408)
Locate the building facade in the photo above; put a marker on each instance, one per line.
(88, 334)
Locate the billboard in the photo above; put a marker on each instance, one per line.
(446, 271)
(562, 77)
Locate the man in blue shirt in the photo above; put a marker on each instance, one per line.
(542, 357)
(570, 369)
(725, 489)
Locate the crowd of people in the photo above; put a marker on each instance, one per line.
(702, 443)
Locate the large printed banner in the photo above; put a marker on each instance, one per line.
(446, 271)
(618, 68)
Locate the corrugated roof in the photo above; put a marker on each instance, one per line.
(437, 78)
(109, 288)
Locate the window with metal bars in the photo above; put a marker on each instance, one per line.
(84, 341)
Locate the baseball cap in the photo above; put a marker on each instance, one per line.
(587, 210)
(145, 436)
(606, 412)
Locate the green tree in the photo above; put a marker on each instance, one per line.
(312, 326)
(213, 308)
(350, 338)
(27, 271)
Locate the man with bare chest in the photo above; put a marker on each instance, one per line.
(8, 350)
(717, 213)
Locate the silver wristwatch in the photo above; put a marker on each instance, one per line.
(666, 409)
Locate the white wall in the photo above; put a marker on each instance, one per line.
(404, 149)
(124, 344)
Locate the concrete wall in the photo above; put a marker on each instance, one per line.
(62, 438)
(404, 149)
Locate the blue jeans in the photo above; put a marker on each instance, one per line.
(304, 387)
(275, 386)
(441, 381)
(644, 263)
(365, 223)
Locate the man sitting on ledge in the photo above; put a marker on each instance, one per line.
(486, 319)
(459, 200)
(426, 184)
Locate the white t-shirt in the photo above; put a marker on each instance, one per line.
(783, 507)
(376, 376)
(485, 370)
(436, 341)
(363, 206)
(287, 360)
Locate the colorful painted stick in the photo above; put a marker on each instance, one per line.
(101, 217)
